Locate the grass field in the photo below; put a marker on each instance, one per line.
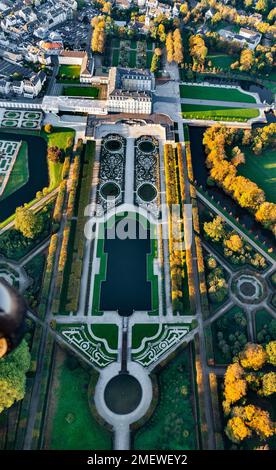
(70, 72)
(115, 57)
(214, 93)
(220, 60)
(132, 59)
(55, 174)
(107, 331)
(59, 137)
(143, 330)
(262, 170)
(19, 174)
(91, 92)
(217, 113)
(149, 58)
(227, 325)
(73, 424)
(172, 425)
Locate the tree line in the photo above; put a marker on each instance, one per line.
(223, 157)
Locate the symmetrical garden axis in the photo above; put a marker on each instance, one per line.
(137, 226)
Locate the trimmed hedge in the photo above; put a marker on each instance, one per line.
(216, 412)
(200, 395)
(73, 290)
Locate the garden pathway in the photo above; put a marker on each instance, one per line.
(224, 104)
(238, 230)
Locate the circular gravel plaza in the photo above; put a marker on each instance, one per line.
(147, 192)
(113, 145)
(110, 189)
(11, 115)
(123, 394)
(249, 288)
(146, 146)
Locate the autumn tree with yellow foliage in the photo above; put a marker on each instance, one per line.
(174, 47)
(248, 420)
(253, 356)
(98, 35)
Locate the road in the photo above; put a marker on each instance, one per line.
(226, 104)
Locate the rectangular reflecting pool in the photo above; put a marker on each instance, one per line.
(126, 287)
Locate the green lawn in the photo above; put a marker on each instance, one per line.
(214, 93)
(217, 113)
(55, 174)
(227, 325)
(132, 59)
(262, 170)
(149, 59)
(133, 44)
(59, 137)
(172, 426)
(19, 174)
(115, 57)
(108, 332)
(115, 42)
(82, 432)
(263, 324)
(220, 60)
(70, 72)
(143, 330)
(91, 92)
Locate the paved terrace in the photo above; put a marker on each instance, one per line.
(155, 118)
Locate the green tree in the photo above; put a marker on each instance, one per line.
(271, 352)
(13, 368)
(28, 223)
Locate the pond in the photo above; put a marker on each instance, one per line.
(126, 287)
(38, 173)
(123, 394)
(201, 174)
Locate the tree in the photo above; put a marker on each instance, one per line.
(236, 430)
(55, 154)
(198, 49)
(98, 24)
(234, 243)
(155, 62)
(28, 222)
(261, 5)
(268, 384)
(169, 47)
(246, 59)
(215, 229)
(13, 368)
(178, 56)
(255, 419)
(235, 385)
(266, 213)
(271, 352)
(253, 356)
(238, 156)
(48, 128)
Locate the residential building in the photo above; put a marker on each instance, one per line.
(34, 86)
(4, 87)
